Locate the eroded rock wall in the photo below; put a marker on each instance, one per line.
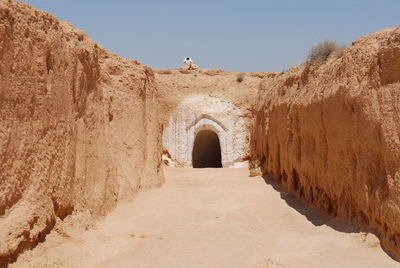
(79, 127)
(330, 134)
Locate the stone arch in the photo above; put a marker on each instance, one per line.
(206, 126)
(198, 113)
(206, 152)
(206, 116)
(209, 124)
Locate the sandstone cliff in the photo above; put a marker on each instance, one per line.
(79, 127)
(330, 134)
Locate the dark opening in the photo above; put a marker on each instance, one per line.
(206, 150)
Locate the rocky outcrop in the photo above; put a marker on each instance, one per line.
(79, 127)
(330, 134)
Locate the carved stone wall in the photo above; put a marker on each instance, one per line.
(201, 112)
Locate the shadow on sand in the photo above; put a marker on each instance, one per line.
(314, 216)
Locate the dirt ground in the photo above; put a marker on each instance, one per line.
(212, 218)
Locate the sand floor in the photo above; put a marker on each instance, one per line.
(212, 218)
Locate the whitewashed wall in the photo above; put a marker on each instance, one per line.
(203, 112)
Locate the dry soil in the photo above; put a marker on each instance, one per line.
(212, 218)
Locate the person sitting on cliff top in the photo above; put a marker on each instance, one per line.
(188, 64)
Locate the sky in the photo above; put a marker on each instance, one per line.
(245, 36)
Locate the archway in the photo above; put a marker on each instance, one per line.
(197, 113)
(206, 150)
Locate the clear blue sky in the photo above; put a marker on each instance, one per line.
(254, 35)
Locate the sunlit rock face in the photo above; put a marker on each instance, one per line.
(199, 113)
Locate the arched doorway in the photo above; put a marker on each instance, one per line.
(206, 150)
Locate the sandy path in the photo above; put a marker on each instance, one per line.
(212, 218)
